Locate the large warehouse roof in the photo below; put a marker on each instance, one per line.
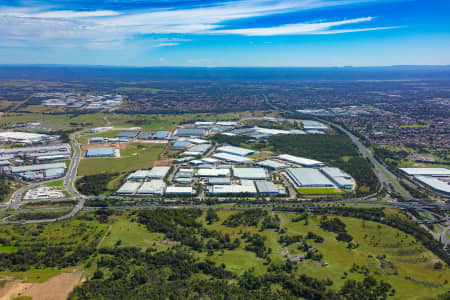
(300, 160)
(127, 134)
(235, 150)
(161, 135)
(271, 164)
(266, 187)
(128, 188)
(154, 187)
(213, 172)
(40, 149)
(250, 173)
(190, 132)
(232, 189)
(158, 172)
(426, 171)
(100, 152)
(139, 174)
(24, 137)
(232, 158)
(40, 167)
(340, 178)
(310, 124)
(307, 177)
(438, 184)
(179, 190)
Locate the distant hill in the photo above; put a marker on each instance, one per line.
(70, 72)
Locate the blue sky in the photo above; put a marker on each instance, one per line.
(286, 33)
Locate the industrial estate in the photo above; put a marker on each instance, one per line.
(198, 189)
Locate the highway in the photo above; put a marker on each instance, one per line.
(384, 175)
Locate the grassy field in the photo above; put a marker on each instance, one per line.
(55, 184)
(69, 234)
(147, 122)
(409, 270)
(318, 191)
(136, 156)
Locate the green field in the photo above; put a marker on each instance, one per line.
(408, 256)
(318, 191)
(407, 265)
(136, 156)
(55, 184)
(146, 121)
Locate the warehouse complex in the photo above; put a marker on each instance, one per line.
(436, 179)
(301, 161)
(27, 138)
(250, 173)
(237, 151)
(307, 177)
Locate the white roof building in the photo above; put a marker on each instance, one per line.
(232, 158)
(300, 160)
(307, 177)
(235, 150)
(158, 172)
(250, 173)
(426, 171)
(213, 172)
(439, 184)
(179, 190)
(139, 174)
(153, 187)
(25, 137)
(128, 188)
(232, 189)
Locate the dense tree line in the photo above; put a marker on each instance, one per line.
(249, 217)
(5, 188)
(129, 273)
(321, 147)
(235, 140)
(94, 184)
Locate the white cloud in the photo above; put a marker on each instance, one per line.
(290, 29)
(68, 14)
(165, 45)
(46, 26)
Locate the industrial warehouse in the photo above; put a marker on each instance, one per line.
(26, 138)
(436, 179)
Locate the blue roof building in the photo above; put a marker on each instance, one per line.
(100, 152)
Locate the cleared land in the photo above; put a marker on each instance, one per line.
(136, 156)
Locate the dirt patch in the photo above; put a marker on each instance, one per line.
(163, 163)
(56, 288)
(13, 289)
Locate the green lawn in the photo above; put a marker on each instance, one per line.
(56, 184)
(316, 191)
(136, 156)
(132, 234)
(408, 256)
